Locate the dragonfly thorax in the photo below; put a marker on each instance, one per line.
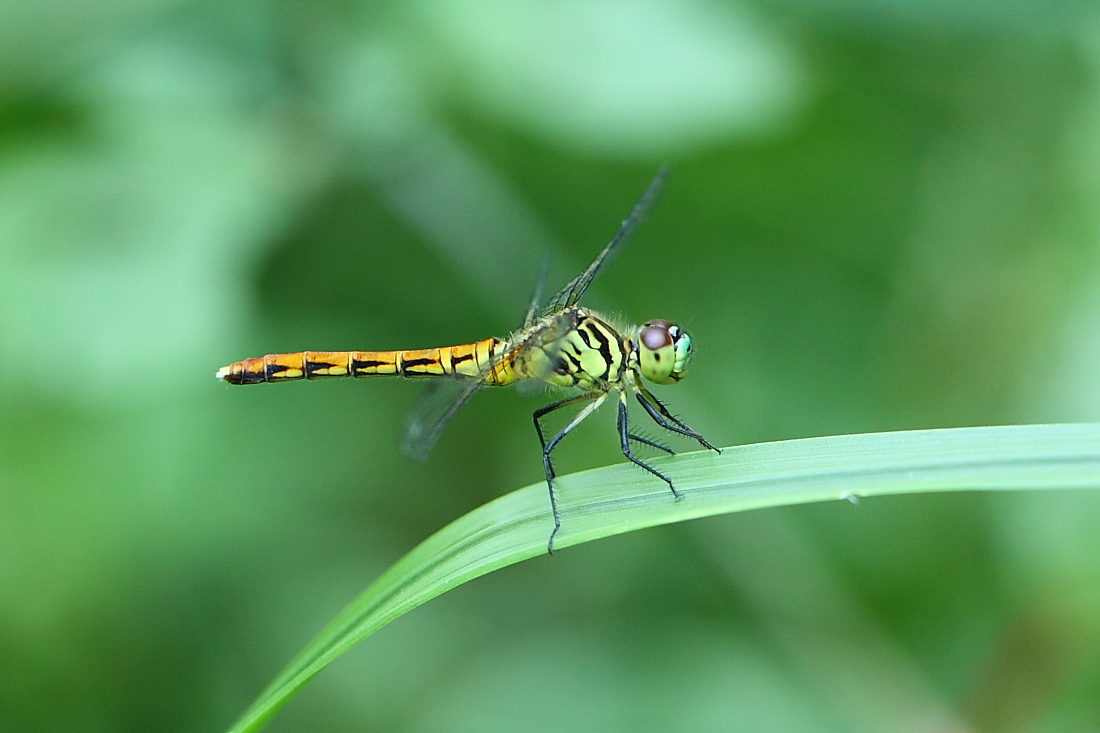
(664, 351)
(580, 350)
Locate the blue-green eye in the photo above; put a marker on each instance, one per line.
(683, 353)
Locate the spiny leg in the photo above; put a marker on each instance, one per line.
(624, 442)
(665, 419)
(548, 447)
(652, 444)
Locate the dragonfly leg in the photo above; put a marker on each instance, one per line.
(544, 411)
(652, 444)
(548, 446)
(624, 440)
(665, 419)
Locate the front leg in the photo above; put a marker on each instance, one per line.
(664, 418)
(624, 442)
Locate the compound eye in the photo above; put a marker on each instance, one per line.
(657, 355)
(655, 335)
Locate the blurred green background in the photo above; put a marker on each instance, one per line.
(881, 215)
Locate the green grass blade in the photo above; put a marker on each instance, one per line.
(621, 498)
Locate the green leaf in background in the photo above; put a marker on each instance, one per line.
(612, 500)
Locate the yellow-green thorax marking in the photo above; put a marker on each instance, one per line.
(590, 355)
(593, 356)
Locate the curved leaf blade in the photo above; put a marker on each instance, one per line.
(617, 499)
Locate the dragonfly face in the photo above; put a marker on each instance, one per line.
(562, 344)
(664, 352)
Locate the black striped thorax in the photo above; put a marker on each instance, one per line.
(589, 354)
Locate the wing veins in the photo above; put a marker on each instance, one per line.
(571, 293)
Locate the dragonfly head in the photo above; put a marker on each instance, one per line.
(664, 352)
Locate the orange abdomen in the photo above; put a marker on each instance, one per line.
(466, 361)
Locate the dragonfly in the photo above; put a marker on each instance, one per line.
(561, 345)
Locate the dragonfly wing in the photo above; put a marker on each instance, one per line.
(545, 337)
(571, 293)
(438, 403)
(442, 398)
(533, 309)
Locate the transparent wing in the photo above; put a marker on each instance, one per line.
(438, 403)
(533, 309)
(442, 398)
(571, 293)
(547, 338)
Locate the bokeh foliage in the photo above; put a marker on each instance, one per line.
(881, 215)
